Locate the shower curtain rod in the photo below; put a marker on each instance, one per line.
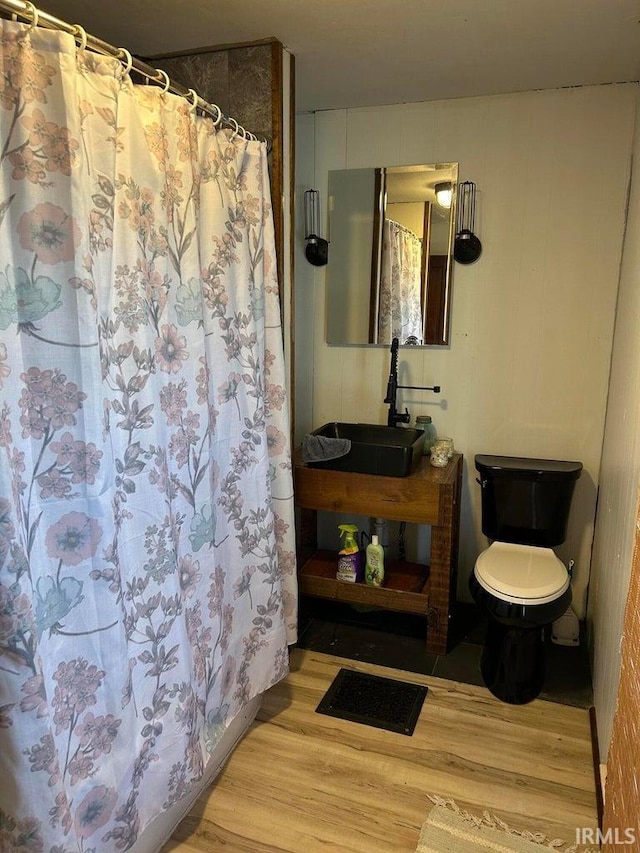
(38, 17)
(404, 228)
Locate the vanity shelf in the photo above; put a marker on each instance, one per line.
(428, 496)
(403, 590)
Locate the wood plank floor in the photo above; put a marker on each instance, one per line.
(303, 782)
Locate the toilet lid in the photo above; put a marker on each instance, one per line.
(521, 574)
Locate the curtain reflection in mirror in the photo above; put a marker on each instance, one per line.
(400, 313)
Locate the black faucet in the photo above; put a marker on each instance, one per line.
(394, 418)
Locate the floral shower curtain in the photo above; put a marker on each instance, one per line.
(147, 569)
(400, 313)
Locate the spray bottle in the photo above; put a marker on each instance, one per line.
(350, 566)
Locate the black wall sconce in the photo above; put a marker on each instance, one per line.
(317, 249)
(467, 248)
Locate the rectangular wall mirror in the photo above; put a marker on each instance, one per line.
(391, 254)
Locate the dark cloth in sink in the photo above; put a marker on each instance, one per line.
(320, 448)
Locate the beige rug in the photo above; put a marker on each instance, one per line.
(450, 829)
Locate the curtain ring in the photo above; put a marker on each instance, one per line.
(35, 15)
(236, 130)
(219, 116)
(123, 54)
(251, 136)
(192, 98)
(81, 33)
(164, 76)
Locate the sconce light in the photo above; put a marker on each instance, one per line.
(317, 249)
(467, 248)
(444, 193)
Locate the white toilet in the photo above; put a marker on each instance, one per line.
(518, 579)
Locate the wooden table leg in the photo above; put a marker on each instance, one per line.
(443, 573)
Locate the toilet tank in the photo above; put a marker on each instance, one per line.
(526, 501)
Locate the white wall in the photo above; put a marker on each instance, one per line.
(527, 369)
(619, 478)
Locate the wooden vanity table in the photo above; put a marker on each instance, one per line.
(428, 496)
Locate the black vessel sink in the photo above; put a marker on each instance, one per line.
(375, 449)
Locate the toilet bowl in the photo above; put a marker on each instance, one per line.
(522, 588)
(518, 580)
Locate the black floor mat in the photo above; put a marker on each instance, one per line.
(374, 701)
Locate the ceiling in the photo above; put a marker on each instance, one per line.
(353, 53)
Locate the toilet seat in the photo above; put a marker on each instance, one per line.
(521, 574)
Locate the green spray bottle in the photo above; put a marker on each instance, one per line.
(350, 563)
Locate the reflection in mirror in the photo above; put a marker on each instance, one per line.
(389, 274)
